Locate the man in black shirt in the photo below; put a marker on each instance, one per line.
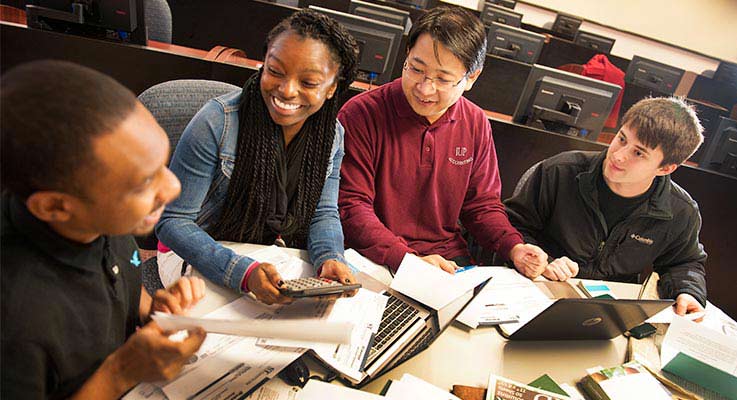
(83, 166)
(609, 215)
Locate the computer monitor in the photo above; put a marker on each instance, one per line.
(721, 155)
(504, 3)
(562, 102)
(378, 43)
(514, 43)
(421, 4)
(378, 12)
(653, 75)
(726, 73)
(566, 26)
(599, 43)
(493, 13)
(115, 20)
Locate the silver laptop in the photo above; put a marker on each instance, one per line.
(588, 319)
(407, 327)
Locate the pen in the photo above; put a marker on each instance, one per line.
(465, 268)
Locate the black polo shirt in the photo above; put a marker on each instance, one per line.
(65, 306)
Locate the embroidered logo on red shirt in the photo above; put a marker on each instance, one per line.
(460, 152)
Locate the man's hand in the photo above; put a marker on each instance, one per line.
(179, 297)
(440, 262)
(529, 259)
(147, 356)
(561, 269)
(264, 283)
(687, 304)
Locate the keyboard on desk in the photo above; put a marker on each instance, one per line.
(398, 316)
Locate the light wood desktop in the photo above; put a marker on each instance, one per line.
(466, 357)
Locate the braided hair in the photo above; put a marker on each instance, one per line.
(254, 173)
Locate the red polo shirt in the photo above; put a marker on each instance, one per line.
(405, 183)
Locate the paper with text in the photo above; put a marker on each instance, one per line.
(365, 310)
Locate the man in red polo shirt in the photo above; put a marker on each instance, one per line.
(419, 157)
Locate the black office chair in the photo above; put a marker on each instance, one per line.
(481, 255)
(173, 104)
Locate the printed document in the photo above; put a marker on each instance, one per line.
(365, 310)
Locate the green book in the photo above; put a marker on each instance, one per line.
(545, 382)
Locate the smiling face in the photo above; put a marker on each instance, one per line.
(135, 183)
(444, 67)
(630, 166)
(299, 75)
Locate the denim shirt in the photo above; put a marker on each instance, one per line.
(203, 161)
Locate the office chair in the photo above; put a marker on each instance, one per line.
(158, 20)
(173, 104)
(481, 255)
(523, 179)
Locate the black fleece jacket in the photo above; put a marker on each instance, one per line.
(557, 208)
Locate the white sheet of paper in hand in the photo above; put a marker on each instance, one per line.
(315, 330)
(432, 286)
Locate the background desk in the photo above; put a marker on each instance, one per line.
(466, 357)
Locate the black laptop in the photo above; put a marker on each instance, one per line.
(587, 319)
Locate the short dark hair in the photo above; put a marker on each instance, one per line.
(314, 25)
(51, 111)
(668, 122)
(458, 30)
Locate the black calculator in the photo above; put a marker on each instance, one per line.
(306, 287)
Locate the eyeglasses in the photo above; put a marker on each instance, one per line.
(438, 83)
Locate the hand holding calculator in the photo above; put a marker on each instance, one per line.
(306, 287)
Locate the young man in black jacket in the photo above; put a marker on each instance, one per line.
(83, 166)
(610, 215)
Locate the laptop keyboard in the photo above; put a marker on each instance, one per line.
(397, 316)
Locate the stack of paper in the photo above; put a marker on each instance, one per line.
(701, 355)
(225, 366)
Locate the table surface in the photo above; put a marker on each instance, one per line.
(467, 356)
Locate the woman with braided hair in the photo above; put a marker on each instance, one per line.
(262, 164)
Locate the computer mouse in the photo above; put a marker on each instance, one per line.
(295, 374)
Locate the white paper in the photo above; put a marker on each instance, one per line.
(411, 387)
(526, 298)
(492, 294)
(368, 267)
(319, 390)
(365, 309)
(289, 266)
(316, 331)
(635, 386)
(237, 360)
(703, 344)
(520, 296)
(432, 286)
